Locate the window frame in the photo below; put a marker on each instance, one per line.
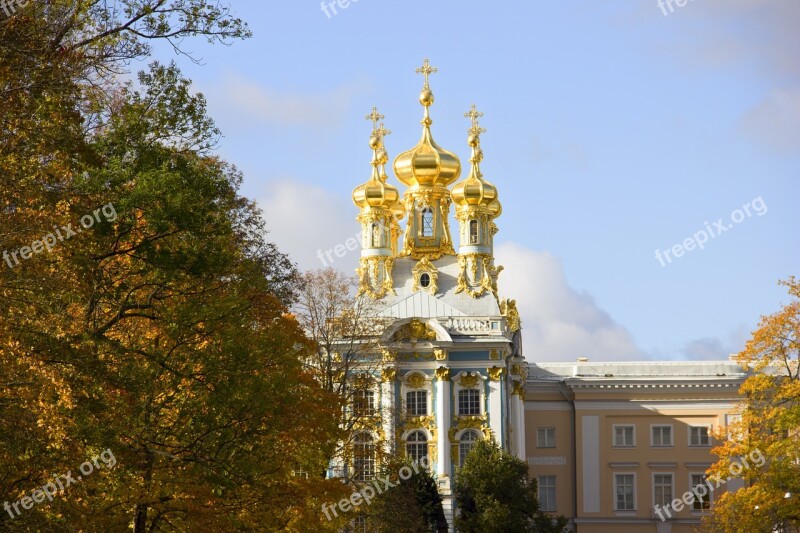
(545, 443)
(707, 499)
(365, 458)
(671, 489)
(470, 401)
(614, 443)
(633, 491)
(423, 444)
(369, 398)
(553, 507)
(671, 436)
(461, 442)
(416, 393)
(707, 435)
(426, 223)
(473, 231)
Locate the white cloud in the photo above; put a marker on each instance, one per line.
(243, 102)
(558, 322)
(776, 121)
(305, 220)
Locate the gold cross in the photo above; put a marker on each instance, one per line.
(474, 114)
(426, 70)
(382, 132)
(374, 117)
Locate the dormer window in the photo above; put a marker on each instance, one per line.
(427, 222)
(473, 231)
(425, 280)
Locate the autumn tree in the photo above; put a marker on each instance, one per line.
(493, 493)
(769, 427)
(344, 327)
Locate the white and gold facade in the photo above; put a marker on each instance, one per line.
(451, 369)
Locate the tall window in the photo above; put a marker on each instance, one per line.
(469, 402)
(662, 436)
(363, 457)
(363, 403)
(473, 232)
(376, 236)
(417, 403)
(623, 436)
(358, 525)
(698, 436)
(702, 494)
(662, 489)
(546, 486)
(545, 437)
(417, 446)
(466, 443)
(427, 222)
(623, 492)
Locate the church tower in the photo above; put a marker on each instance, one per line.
(448, 369)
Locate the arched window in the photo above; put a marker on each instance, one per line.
(466, 442)
(473, 231)
(363, 402)
(427, 222)
(417, 446)
(469, 402)
(363, 457)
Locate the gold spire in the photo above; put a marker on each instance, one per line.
(427, 164)
(475, 190)
(376, 193)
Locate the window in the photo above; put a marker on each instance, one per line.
(624, 492)
(473, 232)
(466, 442)
(662, 489)
(698, 436)
(623, 436)
(427, 222)
(546, 437)
(358, 525)
(363, 403)
(417, 446)
(469, 402)
(376, 236)
(662, 436)
(425, 280)
(417, 403)
(363, 457)
(546, 486)
(702, 494)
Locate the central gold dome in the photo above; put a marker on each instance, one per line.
(427, 164)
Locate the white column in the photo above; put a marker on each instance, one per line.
(443, 421)
(518, 405)
(496, 408)
(387, 405)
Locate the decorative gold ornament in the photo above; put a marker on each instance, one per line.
(415, 381)
(494, 355)
(518, 389)
(442, 373)
(508, 308)
(420, 422)
(388, 355)
(424, 266)
(516, 369)
(414, 331)
(469, 380)
(495, 373)
(389, 374)
(440, 354)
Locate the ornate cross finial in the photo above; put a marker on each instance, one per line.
(381, 131)
(426, 70)
(473, 114)
(374, 117)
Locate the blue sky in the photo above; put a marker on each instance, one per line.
(613, 130)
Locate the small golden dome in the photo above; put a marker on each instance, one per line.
(376, 193)
(475, 191)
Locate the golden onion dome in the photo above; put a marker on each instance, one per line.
(475, 191)
(376, 193)
(427, 164)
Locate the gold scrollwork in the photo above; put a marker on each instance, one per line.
(469, 380)
(389, 374)
(440, 354)
(442, 373)
(415, 381)
(495, 373)
(494, 355)
(415, 330)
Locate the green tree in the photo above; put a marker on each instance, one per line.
(494, 494)
(764, 446)
(413, 506)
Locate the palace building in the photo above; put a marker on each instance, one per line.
(604, 441)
